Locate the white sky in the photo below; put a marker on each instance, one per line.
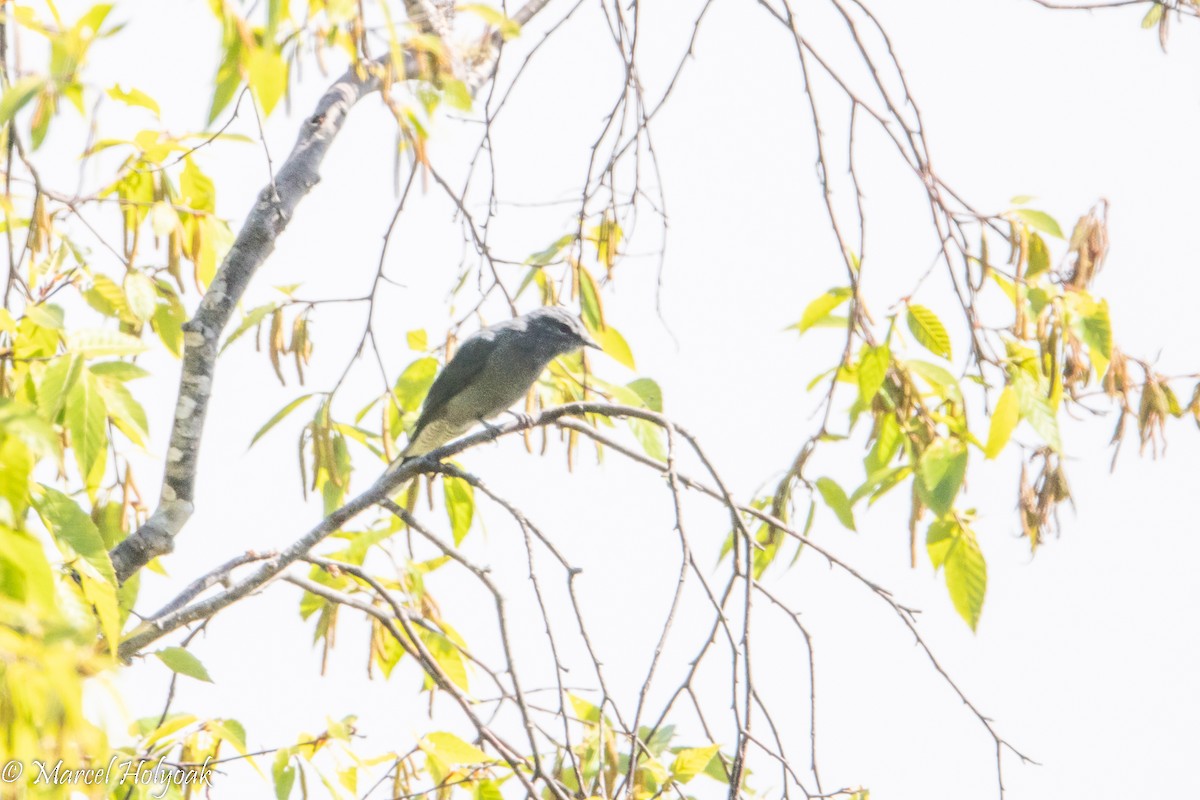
(1083, 657)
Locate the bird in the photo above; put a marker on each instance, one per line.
(493, 369)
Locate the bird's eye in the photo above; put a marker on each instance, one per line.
(563, 328)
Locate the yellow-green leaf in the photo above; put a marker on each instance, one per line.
(85, 417)
(451, 750)
(872, 371)
(1039, 220)
(140, 294)
(18, 95)
(125, 412)
(966, 578)
(819, 309)
(98, 342)
(691, 761)
(268, 77)
(589, 300)
(1005, 417)
(460, 506)
(133, 97)
(929, 330)
(278, 416)
(835, 497)
(941, 470)
(1036, 410)
(1039, 257)
(76, 534)
(57, 381)
(182, 662)
(413, 384)
(196, 189)
(613, 344)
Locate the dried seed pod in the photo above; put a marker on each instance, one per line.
(1089, 246)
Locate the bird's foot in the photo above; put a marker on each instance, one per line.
(524, 419)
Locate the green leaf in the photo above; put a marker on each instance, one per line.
(268, 77)
(954, 547)
(1005, 417)
(283, 773)
(108, 298)
(650, 437)
(456, 94)
(1097, 335)
(1039, 220)
(25, 572)
(966, 577)
(872, 371)
(229, 74)
(691, 761)
(101, 595)
(168, 324)
(887, 443)
(460, 506)
(544, 257)
(883, 479)
(279, 415)
(589, 300)
(85, 417)
(487, 789)
(125, 412)
(938, 378)
(182, 662)
(929, 330)
(941, 470)
(57, 381)
(658, 739)
(45, 316)
(1039, 257)
(584, 711)
(71, 526)
(122, 371)
(140, 295)
(1005, 284)
(18, 95)
(133, 97)
(413, 384)
(941, 537)
(1036, 410)
(196, 189)
(417, 340)
(252, 318)
(836, 499)
(98, 342)
(819, 309)
(451, 750)
(650, 393)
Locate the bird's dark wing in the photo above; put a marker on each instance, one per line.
(467, 362)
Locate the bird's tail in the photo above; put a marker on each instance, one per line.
(427, 438)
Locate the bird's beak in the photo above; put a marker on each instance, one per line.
(588, 341)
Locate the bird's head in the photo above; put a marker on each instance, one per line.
(559, 330)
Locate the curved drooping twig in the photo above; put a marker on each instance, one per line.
(380, 490)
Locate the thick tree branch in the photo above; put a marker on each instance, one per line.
(255, 242)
